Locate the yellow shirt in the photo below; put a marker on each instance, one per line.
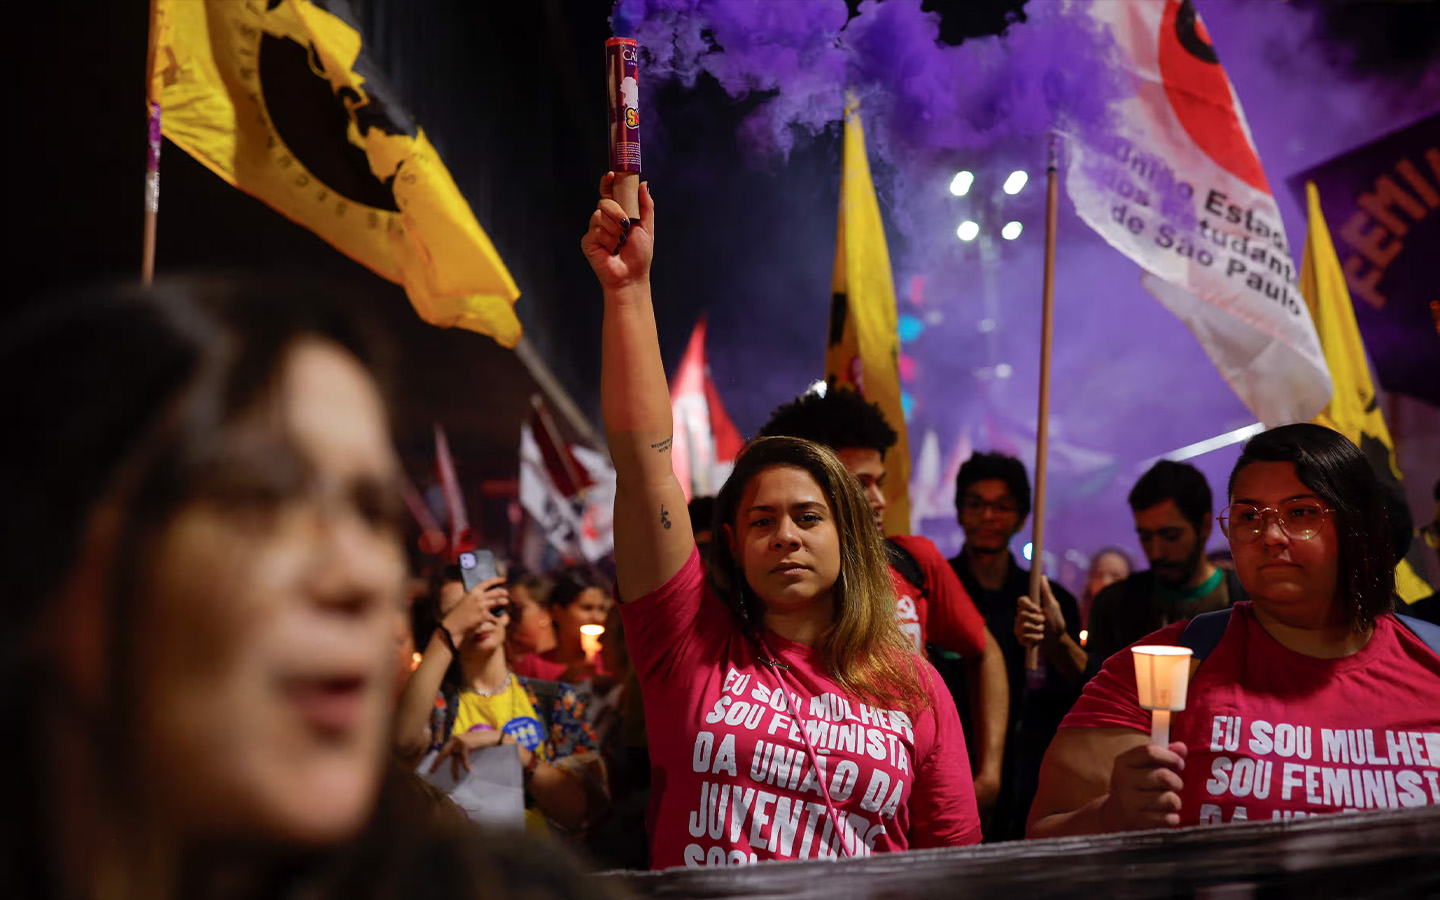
(511, 712)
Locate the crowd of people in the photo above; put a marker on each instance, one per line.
(202, 663)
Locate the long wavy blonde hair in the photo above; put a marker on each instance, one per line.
(863, 650)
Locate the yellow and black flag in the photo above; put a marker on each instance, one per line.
(863, 353)
(280, 100)
(1354, 410)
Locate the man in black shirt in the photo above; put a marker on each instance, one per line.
(1173, 519)
(992, 499)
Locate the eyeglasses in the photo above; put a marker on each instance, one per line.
(973, 504)
(1299, 521)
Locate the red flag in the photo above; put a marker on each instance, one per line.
(568, 492)
(460, 536)
(706, 441)
(566, 473)
(432, 538)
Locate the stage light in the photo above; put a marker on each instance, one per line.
(1027, 550)
(1015, 182)
(908, 327)
(967, 231)
(1011, 231)
(817, 388)
(960, 184)
(1004, 371)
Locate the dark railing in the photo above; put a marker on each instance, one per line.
(1393, 853)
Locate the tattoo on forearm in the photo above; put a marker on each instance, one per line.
(661, 446)
(664, 517)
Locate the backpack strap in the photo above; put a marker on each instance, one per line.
(1427, 632)
(904, 562)
(1202, 634)
(1206, 630)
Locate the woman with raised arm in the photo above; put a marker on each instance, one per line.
(1310, 698)
(789, 719)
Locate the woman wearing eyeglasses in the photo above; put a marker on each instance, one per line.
(1313, 696)
(464, 697)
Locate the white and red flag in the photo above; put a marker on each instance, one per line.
(706, 442)
(1177, 186)
(568, 492)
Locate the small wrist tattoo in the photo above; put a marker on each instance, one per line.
(661, 446)
(664, 517)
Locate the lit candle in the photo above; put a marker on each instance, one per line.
(590, 640)
(1162, 675)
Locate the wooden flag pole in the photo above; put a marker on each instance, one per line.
(152, 156)
(1042, 421)
(152, 198)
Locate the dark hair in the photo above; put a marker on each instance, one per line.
(863, 649)
(987, 466)
(569, 584)
(702, 513)
(536, 585)
(1178, 481)
(138, 402)
(1330, 465)
(839, 419)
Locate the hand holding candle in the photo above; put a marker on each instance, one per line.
(1162, 675)
(590, 641)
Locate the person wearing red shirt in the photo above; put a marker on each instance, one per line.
(789, 718)
(1315, 699)
(931, 604)
(576, 598)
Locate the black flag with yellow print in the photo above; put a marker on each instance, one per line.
(278, 98)
(1354, 410)
(863, 350)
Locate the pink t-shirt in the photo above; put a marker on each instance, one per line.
(545, 668)
(732, 780)
(945, 614)
(1274, 734)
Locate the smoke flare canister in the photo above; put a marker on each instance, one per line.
(622, 84)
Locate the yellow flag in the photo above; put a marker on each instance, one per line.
(1354, 410)
(864, 346)
(280, 100)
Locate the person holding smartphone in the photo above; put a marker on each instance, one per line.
(464, 697)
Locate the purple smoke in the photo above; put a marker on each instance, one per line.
(919, 95)
(1129, 381)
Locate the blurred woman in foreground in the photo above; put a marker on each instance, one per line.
(202, 567)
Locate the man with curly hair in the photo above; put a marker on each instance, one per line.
(931, 603)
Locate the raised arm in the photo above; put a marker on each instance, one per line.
(653, 537)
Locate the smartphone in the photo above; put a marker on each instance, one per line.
(475, 567)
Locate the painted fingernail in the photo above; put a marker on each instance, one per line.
(625, 224)
(623, 239)
(616, 251)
